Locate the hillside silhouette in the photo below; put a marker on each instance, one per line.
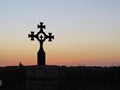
(59, 78)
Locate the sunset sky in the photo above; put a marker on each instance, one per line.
(87, 32)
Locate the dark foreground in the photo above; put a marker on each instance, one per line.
(59, 78)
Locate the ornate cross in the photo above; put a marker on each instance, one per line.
(41, 36)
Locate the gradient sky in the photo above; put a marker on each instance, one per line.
(87, 32)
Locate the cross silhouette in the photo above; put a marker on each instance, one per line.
(41, 26)
(41, 36)
(50, 37)
(31, 35)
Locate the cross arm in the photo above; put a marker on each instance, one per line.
(41, 26)
(50, 37)
(32, 36)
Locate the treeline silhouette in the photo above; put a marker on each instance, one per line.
(61, 78)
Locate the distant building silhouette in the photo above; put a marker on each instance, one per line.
(41, 36)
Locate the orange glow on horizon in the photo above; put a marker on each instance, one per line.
(64, 56)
